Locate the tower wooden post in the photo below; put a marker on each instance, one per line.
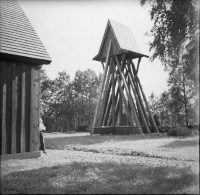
(121, 97)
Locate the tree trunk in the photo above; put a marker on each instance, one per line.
(185, 100)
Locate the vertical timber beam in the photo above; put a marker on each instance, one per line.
(124, 99)
(138, 103)
(151, 117)
(138, 65)
(3, 147)
(107, 102)
(113, 94)
(101, 87)
(138, 91)
(107, 111)
(110, 102)
(1, 106)
(120, 111)
(102, 64)
(128, 95)
(32, 109)
(22, 135)
(104, 97)
(14, 109)
(37, 108)
(129, 88)
(118, 90)
(147, 106)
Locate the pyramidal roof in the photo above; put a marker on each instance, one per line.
(123, 41)
(18, 39)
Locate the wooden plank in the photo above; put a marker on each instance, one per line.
(120, 98)
(106, 115)
(25, 155)
(102, 64)
(33, 109)
(151, 117)
(37, 109)
(138, 91)
(27, 107)
(4, 83)
(22, 140)
(101, 87)
(104, 97)
(1, 104)
(8, 108)
(14, 108)
(120, 111)
(128, 95)
(129, 88)
(124, 98)
(138, 103)
(118, 91)
(145, 100)
(113, 94)
(110, 102)
(117, 108)
(18, 117)
(132, 100)
(139, 59)
(107, 102)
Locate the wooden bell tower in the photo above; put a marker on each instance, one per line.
(122, 106)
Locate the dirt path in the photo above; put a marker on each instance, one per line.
(103, 152)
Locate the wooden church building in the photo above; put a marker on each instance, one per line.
(122, 107)
(22, 55)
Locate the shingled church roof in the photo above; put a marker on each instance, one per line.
(123, 41)
(18, 39)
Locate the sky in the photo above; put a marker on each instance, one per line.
(72, 32)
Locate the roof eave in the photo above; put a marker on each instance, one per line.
(35, 61)
(139, 54)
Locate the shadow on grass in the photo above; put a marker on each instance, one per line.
(182, 143)
(60, 143)
(101, 178)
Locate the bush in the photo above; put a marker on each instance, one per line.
(82, 128)
(181, 131)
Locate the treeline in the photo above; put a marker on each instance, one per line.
(69, 105)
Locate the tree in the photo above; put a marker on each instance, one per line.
(182, 92)
(86, 84)
(176, 43)
(176, 25)
(47, 88)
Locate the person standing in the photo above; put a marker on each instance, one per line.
(42, 128)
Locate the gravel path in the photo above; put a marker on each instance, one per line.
(55, 157)
(66, 156)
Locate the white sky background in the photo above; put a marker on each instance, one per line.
(72, 32)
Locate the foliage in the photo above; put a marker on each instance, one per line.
(176, 27)
(169, 107)
(181, 131)
(66, 104)
(175, 41)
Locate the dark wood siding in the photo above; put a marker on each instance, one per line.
(19, 103)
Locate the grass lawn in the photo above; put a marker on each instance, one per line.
(83, 164)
